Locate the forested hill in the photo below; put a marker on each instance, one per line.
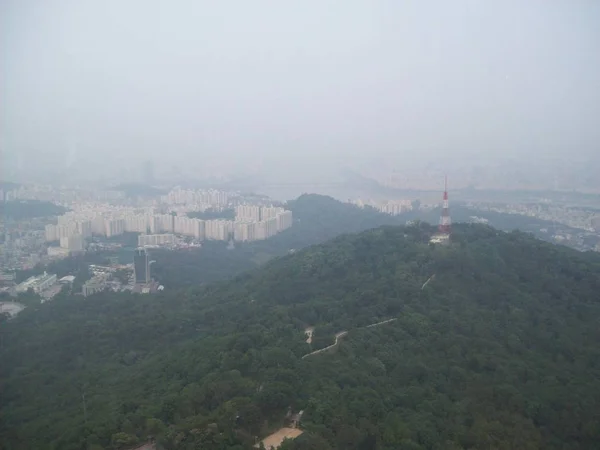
(28, 209)
(317, 218)
(494, 345)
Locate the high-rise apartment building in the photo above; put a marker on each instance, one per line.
(51, 233)
(218, 230)
(165, 222)
(114, 227)
(284, 220)
(244, 231)
(84, 228)
(183, 225)
(199, 229)
(98, 227)
(72, 243)
(137, 223)
(268, 212)
(247, 213)
(153, 224)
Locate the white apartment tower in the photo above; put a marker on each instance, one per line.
(247, 213)
(114, 227)
(284, 220)
(218, 230)
(268, 212)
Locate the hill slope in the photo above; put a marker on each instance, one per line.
(29, 209)
(317, 218)
(498, 350)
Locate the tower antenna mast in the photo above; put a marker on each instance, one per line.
(445, 221)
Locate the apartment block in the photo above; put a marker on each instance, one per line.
(247, 213)
(269, 212)
(218, 230)
(284, 220)
(114, 227)
(72, 243)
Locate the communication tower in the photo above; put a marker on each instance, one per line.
(445, 221)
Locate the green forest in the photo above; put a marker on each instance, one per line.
(212, 214)
(493, 344)
(28, 209)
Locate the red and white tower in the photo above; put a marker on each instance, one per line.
(445, 221)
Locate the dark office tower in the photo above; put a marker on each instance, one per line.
(141, 268)
(148, 172)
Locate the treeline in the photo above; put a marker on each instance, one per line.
(499, 350)
(317, 219)
(29, 209)
(213, 214)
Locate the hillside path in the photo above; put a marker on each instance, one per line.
(427, 282)
(337, 337)
(341, 334)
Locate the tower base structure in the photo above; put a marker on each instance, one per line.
(440, 238)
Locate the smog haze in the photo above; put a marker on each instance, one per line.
(238, 87)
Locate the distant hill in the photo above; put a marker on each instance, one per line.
(8, 185)
(29, 209)
(317, 218)
(138, 190)
(494, 345)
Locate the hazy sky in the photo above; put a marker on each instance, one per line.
(284, 80)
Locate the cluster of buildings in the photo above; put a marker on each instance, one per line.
(587, 219)
(158, 224)
(20, 243)
(46, 285)
(252, 223)
(70, 234)
(102, 279)
(200, 199)
(104, 276)
(158, 220)
(392, 207)
(62, 195)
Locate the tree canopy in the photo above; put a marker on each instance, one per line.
(212, 214)
(498, 350)
(28, 209)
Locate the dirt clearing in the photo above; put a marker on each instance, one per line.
(274, 440)
(309, 333)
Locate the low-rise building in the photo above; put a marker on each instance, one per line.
(38, 284)
(7, 277)
(97, 284)
(145, 240)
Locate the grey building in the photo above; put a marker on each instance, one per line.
(141, 266)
